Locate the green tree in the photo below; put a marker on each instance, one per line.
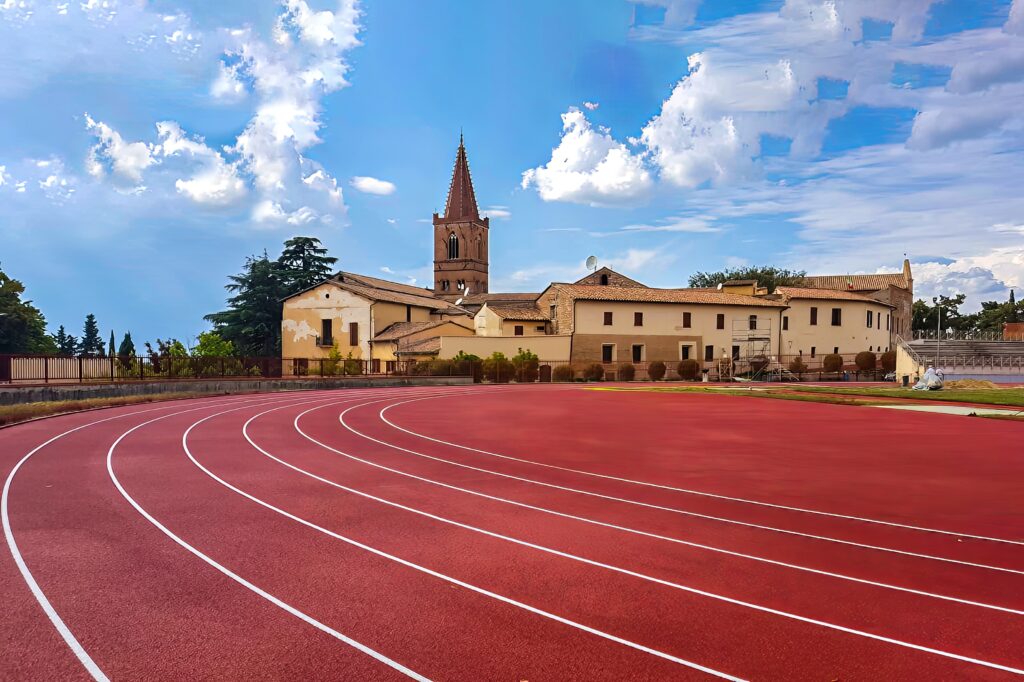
(112, 345)
(66, 343)
(1013, 314)
(926, 317)
(252, 321)
(90, 344)
(211, 345)
(126, 350)
(766, 275)
(22, 325)
(304, 263)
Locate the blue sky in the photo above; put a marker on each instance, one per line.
(147, 148)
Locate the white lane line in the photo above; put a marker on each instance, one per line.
(234, 576)
(442, 576)
(684, 512)
(685, 588)
(692, 492)
(58, 623)
(595, 522)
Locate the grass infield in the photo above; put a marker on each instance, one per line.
(12, 414)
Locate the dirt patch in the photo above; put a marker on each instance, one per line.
(969, 383)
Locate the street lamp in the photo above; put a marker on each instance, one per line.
(938, 327)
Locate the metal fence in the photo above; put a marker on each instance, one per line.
(61, 369)
(956, 335)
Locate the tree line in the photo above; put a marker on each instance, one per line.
(250, 326)
(989, 319)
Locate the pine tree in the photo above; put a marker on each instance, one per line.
(66, 343)
(304, 263)
(252, 321)
(126, 351)
(90, 345)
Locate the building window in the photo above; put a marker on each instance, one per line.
(813, 351)
(871, 319)
(607, 319)
(540, 327)
(878, 319)
(686, 320)
(353, 333)
(753, 322)
(551, 312)
(785, 323)
(604, 280)
(518, 330)
(638, 319)
(709, 353)
(684, 352)
(735, 352)
(814, 315)
(460, 284)
(720, 321)
(837, 317)
(453, 246)
(835, 350)
(638, 352)
(607, 352)
(887, 321)
(445, 285)
(326, 333)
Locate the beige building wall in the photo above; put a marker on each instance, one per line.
(488, 323)
(547, 348)
(663, 332)
(851, 337)
(302, 323)
(385, 350)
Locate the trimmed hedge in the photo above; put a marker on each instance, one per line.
(797, 365)
(833, 362)
(627, 372)
(656, 370)
(889, 361)
(594, 372)
(688, 369)
(865, 360)
(563, 373)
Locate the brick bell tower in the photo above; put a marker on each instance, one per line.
(460, 237)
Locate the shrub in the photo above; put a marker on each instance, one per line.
(833, 362)
(527, 366)
(466, 364)
(563, 373)
(441, 368)
(865, 360)
(797, 365)
(656, 370)
(498, 369)
(594, 372)
(688, 369)
(627, 372)
(888, 360)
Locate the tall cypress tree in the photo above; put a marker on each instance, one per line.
(252, 321)
(1011, 316)
(126, 350)
(304, 263)
(90, 345)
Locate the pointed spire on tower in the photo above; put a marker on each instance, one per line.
(461, 203)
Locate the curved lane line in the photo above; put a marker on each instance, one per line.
(684, 512)
(58, 623)
(692, 492)
(234, 576)
(442, 576)
(598, 564)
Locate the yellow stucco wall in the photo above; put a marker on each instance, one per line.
(852, 337)
(385, 350)
(303, 314)
(548, 348)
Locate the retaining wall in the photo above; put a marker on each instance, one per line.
(12, 395)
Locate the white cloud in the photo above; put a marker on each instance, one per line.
(128, 159)
(590, 106)
(676, 224)
(227, 86)
(589, 166)
(369, 185)
(1015, 23)
(496, 213)
(639, 263)
(271, 213)
(216, 181)
(386, 270)
(986, 277)
(678, 13)
(5, 178)
(392, 221)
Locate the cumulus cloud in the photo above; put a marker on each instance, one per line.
(369, 185)
(987, 277)
(128, 159)
(589, 166)
(215, 181)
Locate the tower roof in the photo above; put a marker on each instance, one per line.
(461, 204)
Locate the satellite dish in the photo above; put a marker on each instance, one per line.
(591, 262)
(458, 301)
(720, 286)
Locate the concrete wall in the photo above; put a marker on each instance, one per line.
(12, 395)
(851, 337)
(549, 348)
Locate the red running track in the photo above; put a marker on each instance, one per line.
(521, 533)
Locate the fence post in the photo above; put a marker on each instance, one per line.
(46, 370)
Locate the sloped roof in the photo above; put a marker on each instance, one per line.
(517, 312)
(856, 282)
(431, 345)
(461, 204)
(379, 283)
(650, 295)
(825, 295)
(513, 299)
(401, 329)
(605, 270)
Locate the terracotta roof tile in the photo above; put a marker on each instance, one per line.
(431, 345)
(517, 313)
(401, 329)
(856, 282)
(825, 295)
(650, 295)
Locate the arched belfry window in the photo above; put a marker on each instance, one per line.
(453, 246)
